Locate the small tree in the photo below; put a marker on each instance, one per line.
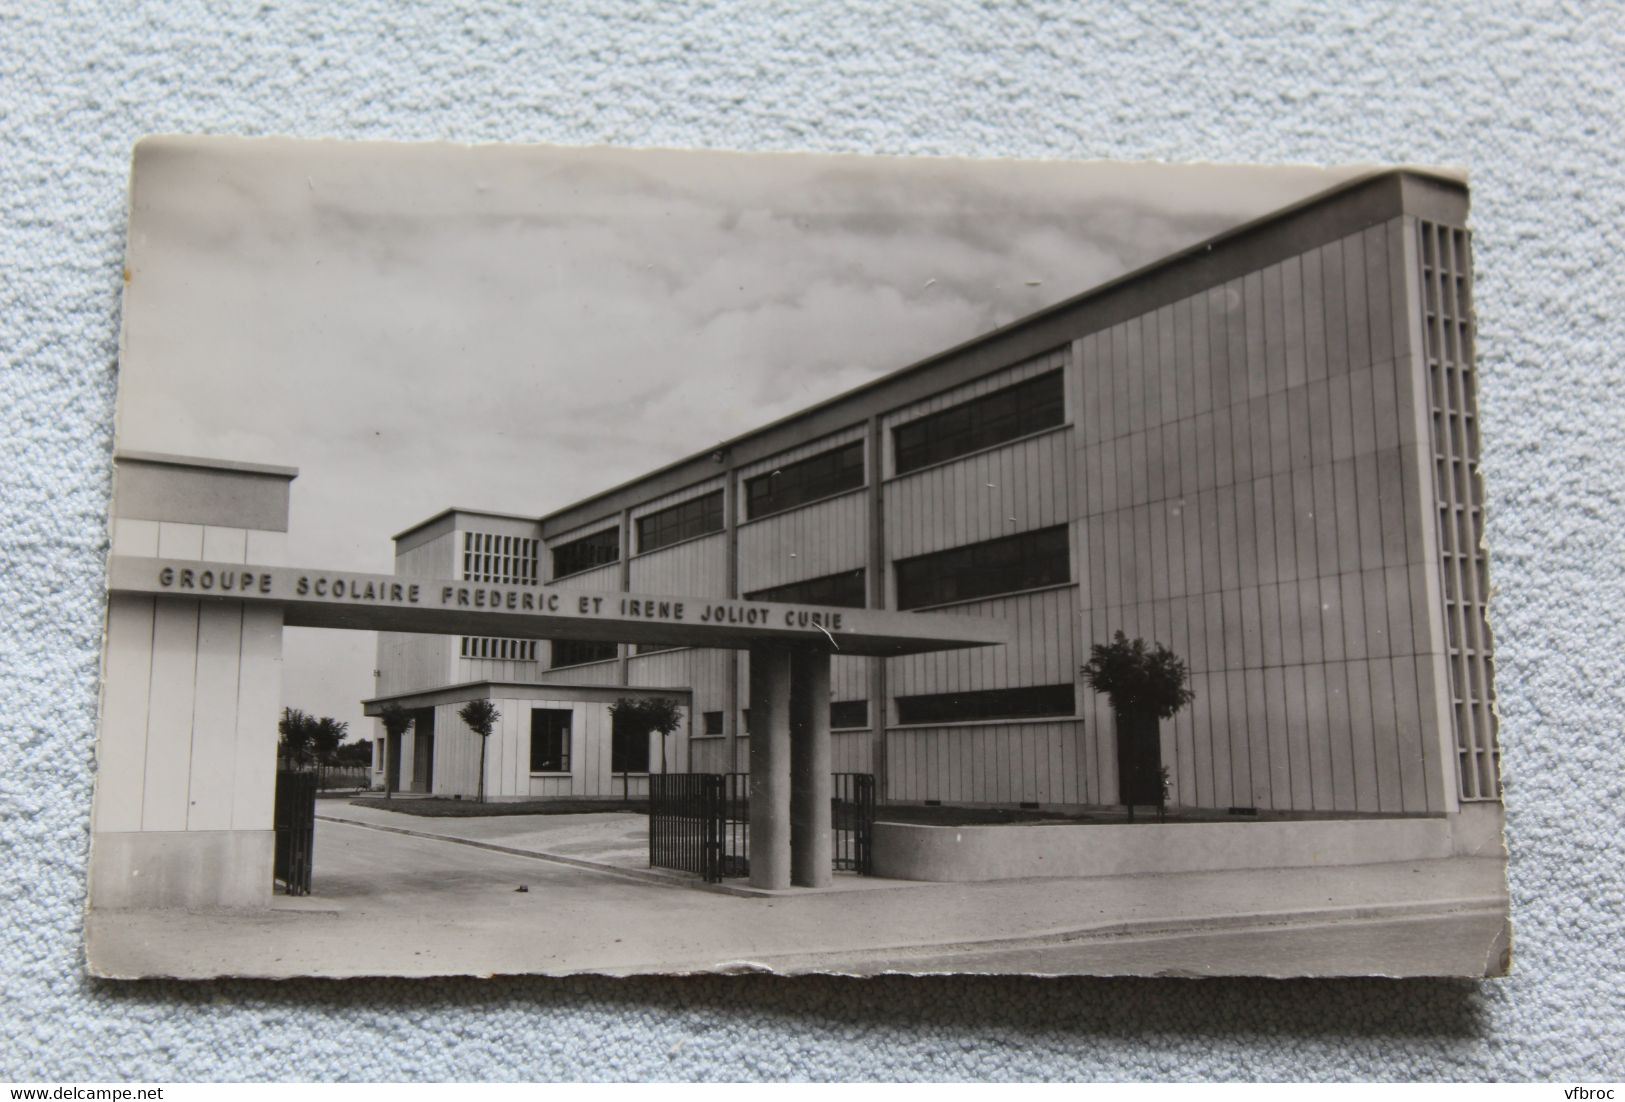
(481, 717)
(397, 721)
(295, 733)
(1138, 678)
(325, 736)
(1144, 684)
(637, 717)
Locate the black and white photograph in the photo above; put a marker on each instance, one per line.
(549, 560)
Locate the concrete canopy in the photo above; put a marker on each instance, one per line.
(446, 606)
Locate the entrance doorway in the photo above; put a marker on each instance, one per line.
(423, 750)
(1139, 759)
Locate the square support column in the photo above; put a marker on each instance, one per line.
(811, 786)
(770, 766)
(191, 691)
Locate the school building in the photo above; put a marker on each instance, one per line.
(1260, 451)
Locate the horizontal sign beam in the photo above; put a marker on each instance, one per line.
(444, 606)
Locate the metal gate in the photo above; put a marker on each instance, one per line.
(295, 823)
(700, 823)
(853, 816)
(683, 822)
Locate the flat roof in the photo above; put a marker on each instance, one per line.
(163, 459)
(534, 690)
(455, 509)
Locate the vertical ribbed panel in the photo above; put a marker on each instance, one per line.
(810, 542)
(410, 660)
(1246, 465)
(693, 568)
(1452, 389)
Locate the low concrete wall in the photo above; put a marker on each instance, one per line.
(182, 869)
(1007, 852)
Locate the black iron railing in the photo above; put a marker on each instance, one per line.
(734, 827)
(852, 815)
(700, 823)
(683, 822)
(295, 823)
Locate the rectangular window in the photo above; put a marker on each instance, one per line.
(713, 723)
(502, 650)
(587, 553)
(805, 480)
(576, 652)
(680, 522)
(378, 754)
(849, 713)
(981, 422)
(843, 590)
(1010, 564)
(1040, 700)
(550, 740)
(500, 560)
(628, 750)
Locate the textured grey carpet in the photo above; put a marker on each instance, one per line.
(1530, 101)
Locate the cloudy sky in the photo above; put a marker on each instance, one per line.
(417, 326)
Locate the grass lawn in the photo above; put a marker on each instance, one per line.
(471, 809)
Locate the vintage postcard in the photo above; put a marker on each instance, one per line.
(545, 560)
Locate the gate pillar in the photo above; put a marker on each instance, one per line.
(191, 688)
(811, 784)
(769, 766)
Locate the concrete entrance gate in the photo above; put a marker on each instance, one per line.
(200, 590)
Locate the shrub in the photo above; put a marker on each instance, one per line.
(1137, 677)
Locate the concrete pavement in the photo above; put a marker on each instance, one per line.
(614, 842)
(388, 903)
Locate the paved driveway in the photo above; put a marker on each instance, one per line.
(387, 903)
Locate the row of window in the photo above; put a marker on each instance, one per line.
(1010, 564)
(842, 714)
(500, 560)
(576, 652)
(848, 589)
(1022, 703)
(587, 553)
(696, 517)
(1008, 413)
(550, 744)
(503, 650)
(805, 480)
(550, 728)
(1026, 702)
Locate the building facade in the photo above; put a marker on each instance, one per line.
(1261, 452)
